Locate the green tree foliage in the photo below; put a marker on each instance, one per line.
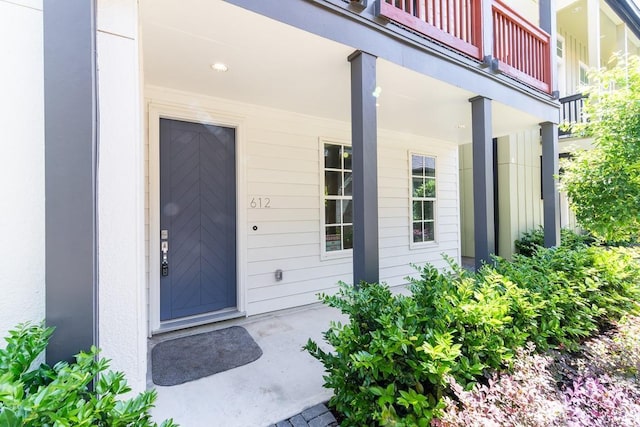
(604, 183)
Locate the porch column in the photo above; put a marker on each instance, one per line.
(547, 16)
(71, 144)
(364, 140)
(593, 35)
(551, 201)
(483, 203)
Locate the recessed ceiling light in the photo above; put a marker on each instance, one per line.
(219, 66)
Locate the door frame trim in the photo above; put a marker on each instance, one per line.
(166, 110)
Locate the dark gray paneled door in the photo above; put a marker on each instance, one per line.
(197, 218)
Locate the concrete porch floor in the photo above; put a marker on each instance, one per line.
(284, 381)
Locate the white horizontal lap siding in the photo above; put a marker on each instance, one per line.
(282, 165)
(396, 253)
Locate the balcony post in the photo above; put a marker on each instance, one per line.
(547, 16)
(551, 202)
(483, 201)
(487, 28)
(364, 139)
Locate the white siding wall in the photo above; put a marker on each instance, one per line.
(283, 162)
(519, 187)
(576, 51)
(466, 201)
(527, 8)
(519, 203)
(122, 297)
(22, 252)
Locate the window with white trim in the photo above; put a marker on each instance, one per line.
(423, 198)
(583, 77)
(338, 210)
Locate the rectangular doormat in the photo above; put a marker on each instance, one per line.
(190, 358)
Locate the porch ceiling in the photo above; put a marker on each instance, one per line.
(279, 66)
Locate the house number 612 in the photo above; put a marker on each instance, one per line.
(260, 203)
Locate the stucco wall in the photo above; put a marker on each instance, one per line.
(22, 252)
(122, 306)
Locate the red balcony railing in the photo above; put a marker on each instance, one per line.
(522, 49)
(456, 23)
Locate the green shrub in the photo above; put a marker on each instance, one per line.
(62, 395)
(531, 241)
(391, 362)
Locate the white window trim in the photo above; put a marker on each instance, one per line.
(324, 255)
(434, 242)
(581, 66)
(564, 48)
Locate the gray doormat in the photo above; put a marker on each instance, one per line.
(189, 358)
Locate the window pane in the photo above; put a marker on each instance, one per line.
(417, 232)
(333, 239)
(429, 189)
(332, 183)
(418, 188)
(347, 212)
(347, 183)
(429, 234)
(417, 165)
(347, 156)
(332, 212)
(430, 166)
(348, 237)
(332, 156)
(428, 210)
(417, 211)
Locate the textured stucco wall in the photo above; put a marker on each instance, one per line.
(22, 252)
(122, 313)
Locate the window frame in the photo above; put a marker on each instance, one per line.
(582, 66)
(324, 254)
(434, 242)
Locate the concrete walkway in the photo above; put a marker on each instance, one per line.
(281, 384)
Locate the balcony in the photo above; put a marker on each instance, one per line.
(521, 49)
(571, 112)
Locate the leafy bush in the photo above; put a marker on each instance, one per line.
(392, 360)
(531, 241)
(61, 395)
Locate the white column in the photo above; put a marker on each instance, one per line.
(593, 26)
(121, 237)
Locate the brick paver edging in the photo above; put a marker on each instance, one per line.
(316, 416)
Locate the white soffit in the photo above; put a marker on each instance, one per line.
(279, 66)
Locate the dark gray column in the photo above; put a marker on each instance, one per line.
(549, 187)
(364, 138)
(70, 175)
(483, 204)
(547, 15)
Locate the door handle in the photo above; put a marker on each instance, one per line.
(164, 265)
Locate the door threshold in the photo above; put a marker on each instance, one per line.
(201, 319)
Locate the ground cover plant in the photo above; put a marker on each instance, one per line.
(599, 386)
(399, 358)
(83, 393)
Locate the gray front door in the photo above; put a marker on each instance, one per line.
(197, 218)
